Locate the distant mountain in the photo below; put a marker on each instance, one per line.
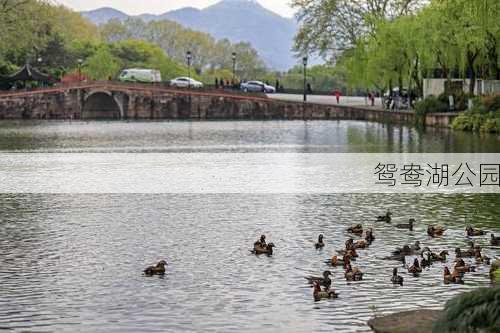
(104, 14)
(237, 20)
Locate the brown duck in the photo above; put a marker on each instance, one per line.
(357, 229)
(319, 294)
(435, 231)
(474, 232)
(415, 268)
(159, 269)
(452, 278)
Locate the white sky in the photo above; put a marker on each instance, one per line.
(134, 7)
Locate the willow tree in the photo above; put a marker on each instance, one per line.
(474, 31)
(329, 27)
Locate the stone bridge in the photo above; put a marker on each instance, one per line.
(111, 100)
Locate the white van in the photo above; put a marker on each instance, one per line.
(140, 75)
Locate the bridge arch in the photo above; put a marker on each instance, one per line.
(102, 104)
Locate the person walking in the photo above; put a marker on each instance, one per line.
(277, 86)
(337, 96)
(216, 83)
(309, 88)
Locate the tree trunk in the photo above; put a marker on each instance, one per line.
(471, 57)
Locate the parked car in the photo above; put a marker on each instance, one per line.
(257, 86)
(140, 75)
(185, 82)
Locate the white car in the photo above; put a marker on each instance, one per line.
(257, 86)
(185, 82)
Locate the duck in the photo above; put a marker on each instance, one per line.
(415, 268)
(336, 261)
(323, 281)
(440, 257)
(407, 249)
(452, 278)
(357, 229)
(481, 259)
(361, 244)
(319, 294)
(158, 269)
(351, 253)
(408, 226)
(385, 218)
(495, 240)
(396, 279)
(369, 237)
(353, 274)
(462, 267)
(464, 254)
(474, 232)
(267, 249)
(426, 259)
(319, 244)
(434, 231)
(261, 242)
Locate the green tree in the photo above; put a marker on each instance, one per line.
(102, 65)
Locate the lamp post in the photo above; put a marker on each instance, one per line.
(234, 65)
(80, 62)
(304, 62)
(189, 56)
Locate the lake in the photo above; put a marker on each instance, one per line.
(73, 262)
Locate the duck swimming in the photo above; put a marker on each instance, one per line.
(369, 237)
(439, 257)
(452, 278)
(462, 267)
(474, 232)
(408, 226)
(319, 294)
(435, 231)
(357, 229)
(464, 254)
(426, 259)
(158, 269)
(385, 218)
(259, 249)
(360, 244)
(495, 240)
(353, 274)
(408, 250)
(480, 258)
(396, 279)
(335, 261)
(323, 281)
(319, 244)
(351, 253)
(415, 268)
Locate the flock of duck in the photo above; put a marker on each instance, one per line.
(322, 285)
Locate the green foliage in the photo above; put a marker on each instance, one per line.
(399, 49)
(102, 65)
(484, 117)
(475, 311)
(208, 54)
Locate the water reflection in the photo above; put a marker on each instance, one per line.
(77, 260)
(234, 136)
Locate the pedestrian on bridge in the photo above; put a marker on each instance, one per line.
(337, 95)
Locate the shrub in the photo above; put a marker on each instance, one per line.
(429, 105)
(476, 311)
(492, 102)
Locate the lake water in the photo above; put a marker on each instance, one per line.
(73, 262)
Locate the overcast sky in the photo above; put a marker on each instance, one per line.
(160, 6)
